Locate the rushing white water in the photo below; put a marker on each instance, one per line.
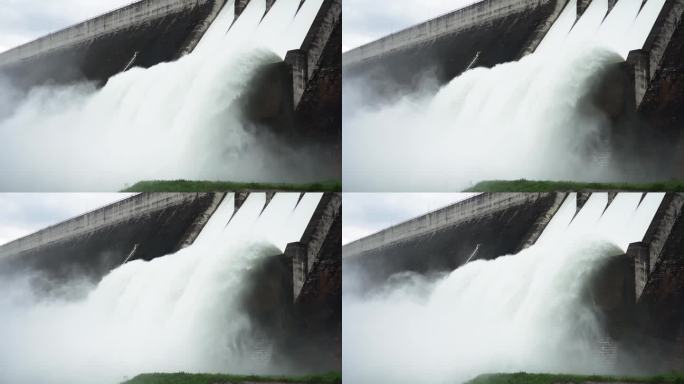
(523, 312)
(174, 120)
(535, 118)
(175, 313)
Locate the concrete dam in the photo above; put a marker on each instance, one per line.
(474, 33)
(451, 266)
(191, 67)
(271, 259)
(620, 54)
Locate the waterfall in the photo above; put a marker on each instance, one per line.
(523, 312)
(180, 312)
(536, 118)
(171, 121)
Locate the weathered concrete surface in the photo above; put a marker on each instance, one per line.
(659, 270)
(488, 225)
(639, 63)
(90, 245)
(658, 56)
(542, 221)
(201, 220)
(152, 31)
(443, 47)
(582, 6)
(240, 6)
(201, 28)
(649, 252)
(320, 244)
(662, 103)
(317, 83)
(315, 288)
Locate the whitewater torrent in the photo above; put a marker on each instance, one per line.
(522, 312)
(171, 121)
(175, 313)
(534, 118)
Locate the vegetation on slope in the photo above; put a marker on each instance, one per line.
(570, 186)
(542, 378)
(187, 378)
(220, 186)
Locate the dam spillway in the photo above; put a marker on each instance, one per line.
(251, 96)
(223, 257)
(425, 272)
(472, 29)
(495, 74)
(151, 225)
(142, 34)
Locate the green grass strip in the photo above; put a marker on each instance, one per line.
(541, 378)
(202, 378)
(570, 186)
(221, 186)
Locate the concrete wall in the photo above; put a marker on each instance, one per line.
(127, 209)
(127, 17)
(469, 17)
(662, 103)
(663, 31)
(649, 252)
(660, 287)
(317, 83)
(144, 226)
(461, 212)
(662, 43)
(484, 227)
(152, 31)
(639, 64)
(309, 252)
(317, 282)
(658, 273)
(442, 48)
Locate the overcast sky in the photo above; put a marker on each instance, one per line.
(24, 213)
(364, 21)
(366, 213)
(24, 20)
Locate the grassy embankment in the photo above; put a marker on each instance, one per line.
(186, 378)
(528, 378)
(570, 186)
(220, 186)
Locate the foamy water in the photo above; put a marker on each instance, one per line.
(180, 312)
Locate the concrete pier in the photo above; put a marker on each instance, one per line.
(317, 278)
(659, 283)
(319, 246)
